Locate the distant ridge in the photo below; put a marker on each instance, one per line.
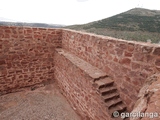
(44, 25)
(137, 24)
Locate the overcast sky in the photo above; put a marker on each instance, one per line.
(69, 12)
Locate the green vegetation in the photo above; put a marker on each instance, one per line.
(137, 24)
(129, 22)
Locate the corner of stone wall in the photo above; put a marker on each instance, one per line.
(148, 99)
(26, 56)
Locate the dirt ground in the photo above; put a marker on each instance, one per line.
(45, 103)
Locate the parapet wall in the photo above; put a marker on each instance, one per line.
(128, 62)
(26, 56)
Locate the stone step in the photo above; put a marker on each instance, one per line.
(110, 96)
(113, 102)
(107, 90)
(104, 82)
(119, 108)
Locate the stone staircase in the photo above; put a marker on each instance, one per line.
(110, 96)
(101, 82)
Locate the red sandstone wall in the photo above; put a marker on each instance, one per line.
(128, 62)
(26, 56)
(76, 86)
(149, 99)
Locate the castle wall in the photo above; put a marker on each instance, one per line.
(128, 62)
(75, 78)
(26, 56)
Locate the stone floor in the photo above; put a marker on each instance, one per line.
(45, 103)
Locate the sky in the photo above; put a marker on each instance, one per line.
(68, 12)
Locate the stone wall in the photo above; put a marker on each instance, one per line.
(26, 56)
(75, 78)
(148, 99)
(128, 62)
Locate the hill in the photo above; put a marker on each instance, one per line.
(136, 24)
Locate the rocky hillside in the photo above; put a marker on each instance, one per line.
(136, 24)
